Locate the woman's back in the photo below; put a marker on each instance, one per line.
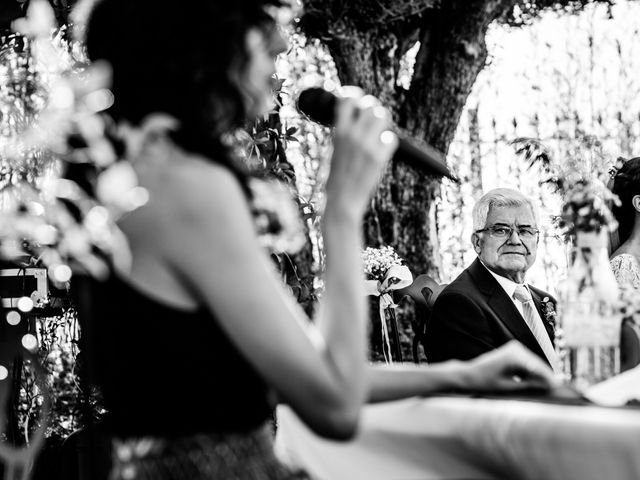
(169, 372)
(160, 350)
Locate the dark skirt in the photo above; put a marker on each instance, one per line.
(201, 457)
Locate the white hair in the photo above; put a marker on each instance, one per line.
(500, 197)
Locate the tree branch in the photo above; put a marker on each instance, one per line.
(365, 14)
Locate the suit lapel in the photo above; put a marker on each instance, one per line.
(504, 309)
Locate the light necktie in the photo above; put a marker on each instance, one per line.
(522, 295)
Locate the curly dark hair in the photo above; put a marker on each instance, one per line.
(626, 185)
(178, 58)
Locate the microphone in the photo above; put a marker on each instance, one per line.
(319, 105)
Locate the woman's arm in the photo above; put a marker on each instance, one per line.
(344, 296)
(511, 367)
(208, 239)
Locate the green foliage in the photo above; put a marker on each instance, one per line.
(270, 138)
(265, 151)
(71, 401)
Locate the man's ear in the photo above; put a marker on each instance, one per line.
(475, 241)
(635, 201)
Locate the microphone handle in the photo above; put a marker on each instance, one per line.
(426, 159)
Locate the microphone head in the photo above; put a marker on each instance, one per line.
(318, 104)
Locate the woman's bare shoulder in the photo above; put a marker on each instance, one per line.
(197, 171)
(186, 180)
(186, 194)
(207, 187)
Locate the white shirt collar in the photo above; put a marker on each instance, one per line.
(509, 286)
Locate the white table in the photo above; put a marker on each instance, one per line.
(472, 438)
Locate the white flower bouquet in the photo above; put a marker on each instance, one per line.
(385, 273)
(378, 261)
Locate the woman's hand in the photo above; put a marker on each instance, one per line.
(363, 144)
(509, 368)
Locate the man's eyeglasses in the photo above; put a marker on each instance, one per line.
(502, 231)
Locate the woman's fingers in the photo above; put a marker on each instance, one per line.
(527, 370)
(363, 144)
(371, 127)
(512, 367)
(346, 111)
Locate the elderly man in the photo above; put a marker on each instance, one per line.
(489, 303)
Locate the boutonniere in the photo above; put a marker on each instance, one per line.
(550, 316)
(549, 310)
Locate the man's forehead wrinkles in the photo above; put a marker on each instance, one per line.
(508, 217)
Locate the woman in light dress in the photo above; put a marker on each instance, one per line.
(625, 259)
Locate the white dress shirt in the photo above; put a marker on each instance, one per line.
(537, 328)
(509, 286)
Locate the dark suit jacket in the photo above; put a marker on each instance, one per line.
(474, 315)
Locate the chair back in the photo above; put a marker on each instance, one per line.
(424, 290)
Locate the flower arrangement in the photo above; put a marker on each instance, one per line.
(590, 295)
(578, 177)
(585, 208)
(62, 186)
(378, 261)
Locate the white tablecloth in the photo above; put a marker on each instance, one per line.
(467, 438)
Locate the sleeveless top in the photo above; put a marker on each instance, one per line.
(626, 270)
(168, 372)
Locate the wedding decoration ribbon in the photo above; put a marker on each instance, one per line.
(397, 277)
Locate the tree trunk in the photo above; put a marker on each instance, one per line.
(475, 172)
(367, 53)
